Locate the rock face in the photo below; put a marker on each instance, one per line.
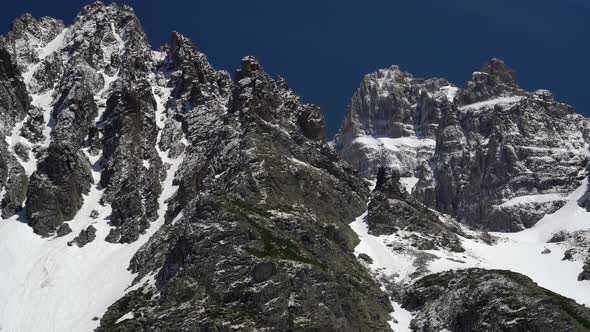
(393, 210)
(490, 300)
(101, 125)
(92, 110)
(236, 210)
(86, 236)
(14, 103)
(503, 157)
(245, 244)
(392, 120)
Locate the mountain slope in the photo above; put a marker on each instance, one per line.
(197, 182)
(495, 157)
(145, 190)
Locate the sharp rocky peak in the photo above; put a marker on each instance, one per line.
(499, 71)
(236, 208)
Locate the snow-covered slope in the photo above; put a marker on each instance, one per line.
(532, 252)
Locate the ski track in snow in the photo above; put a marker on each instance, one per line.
(518, 252)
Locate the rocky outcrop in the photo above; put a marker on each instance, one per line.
(585, 274)
(14, 103)
(393, 210)
(71, 72)
(503, 163)
(392, 120)
(253, 159)
(501, 157)
(56, 188)
(28, 36)
(86, 236)
(239, 206)
(490, 300)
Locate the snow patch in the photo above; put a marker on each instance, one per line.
(527, 199)
(409, 182)
(53, 46)
(450, 92)
(502, 101)
(126, 316)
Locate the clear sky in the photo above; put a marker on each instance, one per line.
(323, 48)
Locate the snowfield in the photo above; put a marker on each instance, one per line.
(48, 286)
(519, 252)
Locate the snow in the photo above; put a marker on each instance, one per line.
(409, 182)
(401, 318)
(527, 199)
(385, 262)
(521, 251)
(53, 46)
(450, 92)
(47, 285)
(395, 144)
(42, 100)
(126, 316)
(502, 101)
(304, 164)
(414, 142)
(396, 266)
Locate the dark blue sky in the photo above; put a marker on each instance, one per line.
(324, 48)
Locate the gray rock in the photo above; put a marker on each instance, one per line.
(366, 258)
(245, 243)
(55, 190)
(63, 230)
(86, 236)
(495, 143)
(22, 151)
(585, 274)
(392, 104)
(490, 300)
(392, 209)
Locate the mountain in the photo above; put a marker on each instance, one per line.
(142, 189)
(491, 155)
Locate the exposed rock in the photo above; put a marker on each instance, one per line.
(568, 255)
(490, 300)
(392, 120)
(478, 152)
(244, 243)
(56, 188)
(366, 258)
(86, 236)
(392, 209)
(63, 230)
(14, 103)
(585, 274)
(22, 151)
(491, 153)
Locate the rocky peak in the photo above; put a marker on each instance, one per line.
(108, 36)
(28, 36)
(193, 78)
(388, 181)
(392, 119)
(500, 72)
(494, 79)
(392, 209)
(250, 68)
(258, 95)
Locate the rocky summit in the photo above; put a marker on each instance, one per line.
(141, 189)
